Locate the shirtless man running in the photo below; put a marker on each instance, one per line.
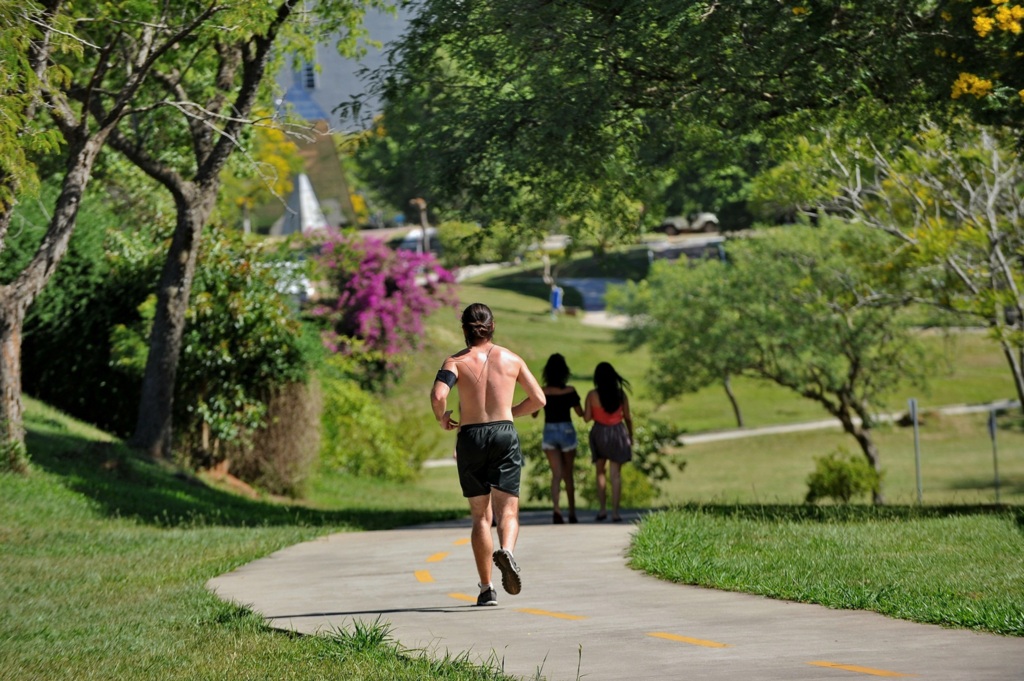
(488, 455)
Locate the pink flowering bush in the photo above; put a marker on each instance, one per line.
(379, 297)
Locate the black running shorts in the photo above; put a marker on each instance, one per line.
(488, 455)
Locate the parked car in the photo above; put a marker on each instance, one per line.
(698, 222)
(413, 241)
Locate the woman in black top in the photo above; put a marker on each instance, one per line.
(559, 443)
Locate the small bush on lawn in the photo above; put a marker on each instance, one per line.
(841, 476)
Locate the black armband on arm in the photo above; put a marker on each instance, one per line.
(446, 377)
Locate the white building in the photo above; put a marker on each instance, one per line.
(315, 90)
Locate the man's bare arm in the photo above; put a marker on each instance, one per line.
(443, 383)
(535, 398)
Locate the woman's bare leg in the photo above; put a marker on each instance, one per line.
(555, 460)
(569, 476)
(616, 474)
(601, 482)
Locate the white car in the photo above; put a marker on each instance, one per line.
(699, 222)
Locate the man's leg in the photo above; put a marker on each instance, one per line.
(480, 538)
(506, 508)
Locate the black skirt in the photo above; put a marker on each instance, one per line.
(610, 442)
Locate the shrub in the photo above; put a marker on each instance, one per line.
(66, 353)
(841, 476)
(242, 342)
(378, 302)
(281, 452)
(467, 243)
(463, 243)
(382, 297)
(357, 437)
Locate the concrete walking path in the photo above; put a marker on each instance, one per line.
(584, 614)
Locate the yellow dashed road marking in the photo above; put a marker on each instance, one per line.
(462, 542)
(859, 670)
(437, 557)
(528, 611)
(546, 613)
(424, 576)
(687, 639)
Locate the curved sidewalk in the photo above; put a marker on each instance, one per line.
(583, 614)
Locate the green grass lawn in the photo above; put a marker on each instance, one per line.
(958, 567)
(956, 465)
(105, 560)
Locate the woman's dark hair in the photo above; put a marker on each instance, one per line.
(610, 386)
(477, 324)
(556, 371)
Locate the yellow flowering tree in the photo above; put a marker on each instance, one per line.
(984, 45)
(258, 176)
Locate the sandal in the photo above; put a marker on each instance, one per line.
(556, 518)
(601, 516)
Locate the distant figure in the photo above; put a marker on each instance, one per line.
(611, 438)
(487, 451)
(556, 299)
(559, 442)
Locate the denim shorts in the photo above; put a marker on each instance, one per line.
(561, 436)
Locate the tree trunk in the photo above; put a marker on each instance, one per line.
(1015, 368)
(154, 423)
(727, 383)
(17, 296)
(867, 445)
(862, 433)
(12, 319)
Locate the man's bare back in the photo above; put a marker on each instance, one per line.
(486, 376)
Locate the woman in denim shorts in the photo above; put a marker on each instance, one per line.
(559, 443)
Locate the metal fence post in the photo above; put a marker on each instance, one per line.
(995, 456)
(917, 446)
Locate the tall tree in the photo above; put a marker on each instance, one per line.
(813, 310)
(528, 105)
(705, 349)
(955, 201)
(46, 44)
(182, 132)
